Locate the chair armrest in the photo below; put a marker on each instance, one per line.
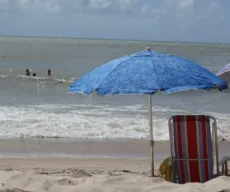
(224, 160)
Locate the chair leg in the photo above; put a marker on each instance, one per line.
(174, 178)
(223, 172)
(226, 168)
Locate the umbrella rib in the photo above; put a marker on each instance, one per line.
(155, 76)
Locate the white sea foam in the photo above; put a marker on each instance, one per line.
(45, 79)
(91, 121)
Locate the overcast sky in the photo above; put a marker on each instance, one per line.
(173, 20)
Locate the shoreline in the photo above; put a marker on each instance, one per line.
(80, 148)
(88, 148)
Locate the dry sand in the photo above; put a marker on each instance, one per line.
(24, 169)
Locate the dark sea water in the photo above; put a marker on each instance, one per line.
(42, 107)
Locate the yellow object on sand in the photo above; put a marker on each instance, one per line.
(165, 169)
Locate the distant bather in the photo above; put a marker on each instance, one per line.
(27, 72)
(49, 72)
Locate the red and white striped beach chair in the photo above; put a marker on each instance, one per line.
(194, 148)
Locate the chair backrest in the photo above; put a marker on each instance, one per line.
(192, 147)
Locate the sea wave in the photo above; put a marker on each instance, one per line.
(92, 122)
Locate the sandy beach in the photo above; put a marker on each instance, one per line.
(36, 165)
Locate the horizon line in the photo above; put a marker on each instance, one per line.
(113, 39)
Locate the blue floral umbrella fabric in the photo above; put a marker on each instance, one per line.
(147, 72)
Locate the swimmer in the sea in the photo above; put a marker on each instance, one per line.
(27, 72)
(49, 72)
(34, 74)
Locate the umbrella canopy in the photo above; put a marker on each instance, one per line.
(147, 72)
(224, 73)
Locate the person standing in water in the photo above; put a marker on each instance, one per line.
(27, 72)
(49, 72)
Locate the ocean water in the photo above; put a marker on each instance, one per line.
(42, 107)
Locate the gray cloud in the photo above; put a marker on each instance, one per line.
(169, 20)
(65, 5)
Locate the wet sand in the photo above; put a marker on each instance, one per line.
(129, 148)
(81, 148)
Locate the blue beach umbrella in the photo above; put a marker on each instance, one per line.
(147, 72)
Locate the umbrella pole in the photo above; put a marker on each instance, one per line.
(151, 135)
